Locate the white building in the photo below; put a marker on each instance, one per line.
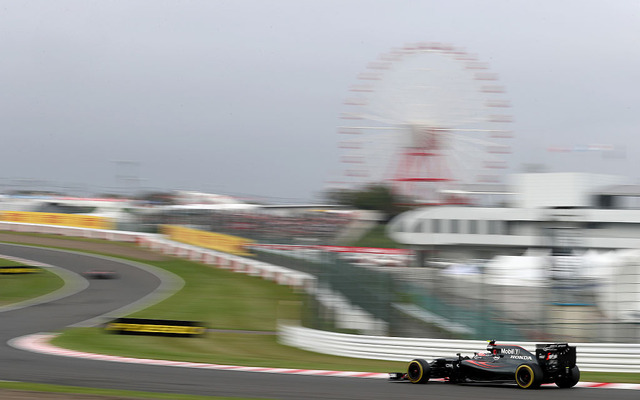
(540, 211)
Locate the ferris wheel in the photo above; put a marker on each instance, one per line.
(427, 119)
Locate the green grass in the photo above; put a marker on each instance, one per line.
(377, 237)
(20, 287)
(222, 300)
(7, 263)
(612, 377)
(39, 387)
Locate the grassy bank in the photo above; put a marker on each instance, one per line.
(107, 394)
(377, 237)
(243, 311)
(20, 287)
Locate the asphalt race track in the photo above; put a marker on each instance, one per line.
(103, 296)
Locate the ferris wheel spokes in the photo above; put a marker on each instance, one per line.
(425, 118)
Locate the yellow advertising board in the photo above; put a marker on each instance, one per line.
(75, 220)
(209, 240)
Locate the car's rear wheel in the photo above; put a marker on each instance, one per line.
(570, 379)
(418, 371)
(529, 376)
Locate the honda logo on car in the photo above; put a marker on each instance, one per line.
(521, 357)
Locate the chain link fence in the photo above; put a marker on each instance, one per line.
(476, 300)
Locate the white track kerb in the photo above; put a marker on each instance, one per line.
(596, 357)
(39, 343)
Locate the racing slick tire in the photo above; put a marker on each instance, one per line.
(569, 380)
(529, 376)
(418, 371)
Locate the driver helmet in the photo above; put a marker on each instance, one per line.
(491, 347)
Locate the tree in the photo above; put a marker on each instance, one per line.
(377, 197)
(158, 198)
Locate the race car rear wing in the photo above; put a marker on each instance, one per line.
(556, 356)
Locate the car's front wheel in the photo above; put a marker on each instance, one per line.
(570, 379)
(529, 376)
(418, 371)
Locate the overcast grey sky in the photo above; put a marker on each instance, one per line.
(243, 97)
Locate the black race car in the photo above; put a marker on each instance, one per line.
(100, 274)
(551, 363)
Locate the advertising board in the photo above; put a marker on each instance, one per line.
(41, 218)
(18, 269)
(155, 327)
(216, 241)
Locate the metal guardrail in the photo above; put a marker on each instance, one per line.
(118, 236)
(592, 357)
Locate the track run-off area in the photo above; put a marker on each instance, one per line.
(28, 357)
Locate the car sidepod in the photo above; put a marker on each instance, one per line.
(487, 369)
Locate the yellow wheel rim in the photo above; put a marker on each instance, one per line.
(415, 368)
(524, 376)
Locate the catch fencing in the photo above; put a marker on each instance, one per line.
(449, 300)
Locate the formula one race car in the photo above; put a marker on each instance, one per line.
(551, 363)
(100, 274)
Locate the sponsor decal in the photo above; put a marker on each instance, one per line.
(155, 327)
(19, 269)
(482, 364)
(209, 240)
(521, 357)
(510, 351)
